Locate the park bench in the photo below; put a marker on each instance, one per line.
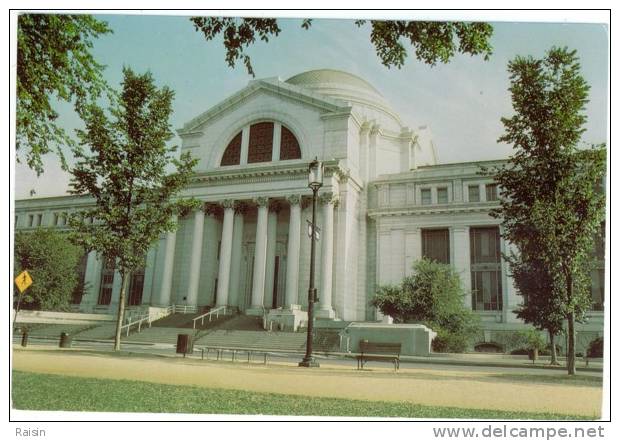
(378, 352)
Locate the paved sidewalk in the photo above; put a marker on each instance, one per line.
(478, 390)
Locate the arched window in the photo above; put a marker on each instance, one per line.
(289, 147)
(260, 145)
(232, 154)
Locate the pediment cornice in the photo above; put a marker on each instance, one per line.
(325, 104)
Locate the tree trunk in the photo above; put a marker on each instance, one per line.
(121, 310)
(570, 356)
(554, 355)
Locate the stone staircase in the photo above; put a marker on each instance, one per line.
(258, 340)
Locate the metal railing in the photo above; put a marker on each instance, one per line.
(146, 318)
(217, 311)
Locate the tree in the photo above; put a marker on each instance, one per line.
(53, 63)
(545, 312)
(52, 260)
(125, 173)
(551, 204)
(432, 42)
(432, 295)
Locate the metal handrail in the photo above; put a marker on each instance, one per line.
(215, 311)
(138, 322)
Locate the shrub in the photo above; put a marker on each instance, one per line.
(595, 349)
(432, 296)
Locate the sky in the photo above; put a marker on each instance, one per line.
(462, 101)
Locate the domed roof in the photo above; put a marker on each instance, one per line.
(331, 77)
(351, 89)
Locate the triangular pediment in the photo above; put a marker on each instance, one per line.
(275, 87)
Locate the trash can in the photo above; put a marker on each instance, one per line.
(184, 344)
(65, 340)
(25, 337)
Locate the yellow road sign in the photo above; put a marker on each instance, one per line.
(23, 281)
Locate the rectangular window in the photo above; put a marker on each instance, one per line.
(491, 190)
(31, 220)
(56, 219)
(136, 286)
(105, 288)
(436, 245)
(39, 219)
(426, 196)
(442, 195)
(486, 270)
(474, 193)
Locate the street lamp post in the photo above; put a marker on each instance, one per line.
(315, 181)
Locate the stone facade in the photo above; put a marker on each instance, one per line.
(248, 247)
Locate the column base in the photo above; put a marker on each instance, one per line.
(325, 314)
(286, 319)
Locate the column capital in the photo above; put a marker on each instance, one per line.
(228, 203)
(261, 201)
(294, 199)
(328, 198)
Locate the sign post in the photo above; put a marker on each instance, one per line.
(23, 281)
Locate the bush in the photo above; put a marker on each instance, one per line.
(447, 341)
(432, 296)
(595, 349)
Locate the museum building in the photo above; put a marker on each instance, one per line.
(386, 202)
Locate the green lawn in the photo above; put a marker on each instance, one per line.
(56, 392)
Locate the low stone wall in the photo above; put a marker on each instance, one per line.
(415, 339)
(75, 318)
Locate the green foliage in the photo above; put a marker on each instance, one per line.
(595, 348)
(551, 201)
(51, 259)
(125, 172)
(53, 63)
(432, 42)
(433, 296)
(533, 339)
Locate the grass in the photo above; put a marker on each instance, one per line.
(58, 392)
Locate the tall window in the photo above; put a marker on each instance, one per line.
(136, 285)
(442, 195)
(426, 196)
(474, 193)
(486, 270)
(107, 279)
(260, 148)
(436, 245)
(491, 190)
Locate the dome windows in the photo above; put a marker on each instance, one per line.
(261, 142)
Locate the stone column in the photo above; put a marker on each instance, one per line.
(292, 255)
(196, 256)
(225, 254)
(327, 253)
(92, 280)
(149, 269)
(234, 297)
(272, 227)
(260, 258)
(462, 260)
(166, 278)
